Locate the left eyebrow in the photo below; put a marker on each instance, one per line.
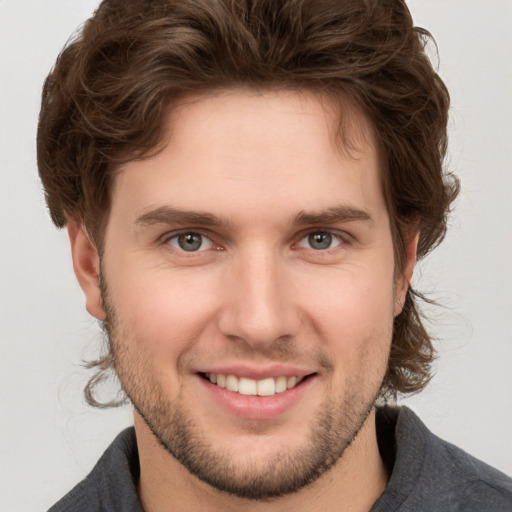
(332, 216)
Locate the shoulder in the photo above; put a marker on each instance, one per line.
(84, 497)
(432, 474)
(111, 485)
(469, 482)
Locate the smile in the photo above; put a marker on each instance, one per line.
(250, 387)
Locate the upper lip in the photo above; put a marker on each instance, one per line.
(257, 373)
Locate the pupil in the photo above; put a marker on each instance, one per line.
(190, 241)
(320, 240)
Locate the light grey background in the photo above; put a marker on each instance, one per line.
(50, 439)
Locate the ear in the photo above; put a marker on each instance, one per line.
(86, 264)
(405, 277)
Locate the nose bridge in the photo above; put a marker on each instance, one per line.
(260, 310)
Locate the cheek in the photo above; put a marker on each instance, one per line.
(162, 312)
(352, 310)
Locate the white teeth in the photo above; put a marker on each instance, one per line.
(231, 383)
(247, 386)
(221, 380)
(281, 384)
(264, 387)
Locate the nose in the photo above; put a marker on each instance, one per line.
(259, 309)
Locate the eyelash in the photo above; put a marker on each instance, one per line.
(335, 236)
(175, 236)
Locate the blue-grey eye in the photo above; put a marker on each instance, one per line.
(190, 242)
(320, 241)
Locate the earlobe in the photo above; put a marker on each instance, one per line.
(407, 272)
(86, 264)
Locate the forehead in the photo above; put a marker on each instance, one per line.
(272, 117)
(247, 151)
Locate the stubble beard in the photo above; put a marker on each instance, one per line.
(285, 472)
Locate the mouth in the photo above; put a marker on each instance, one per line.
(250, 387)
(258, 394)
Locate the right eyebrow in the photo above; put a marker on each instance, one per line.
(170, 215)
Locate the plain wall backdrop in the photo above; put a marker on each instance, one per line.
(50, 439)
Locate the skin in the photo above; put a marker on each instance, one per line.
(257, 294)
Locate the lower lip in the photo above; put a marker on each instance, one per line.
(257, 407)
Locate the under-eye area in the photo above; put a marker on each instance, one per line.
(263, 387)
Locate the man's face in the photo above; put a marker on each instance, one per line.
(253, 253)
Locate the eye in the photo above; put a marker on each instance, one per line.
(320, 241)
(190, 242)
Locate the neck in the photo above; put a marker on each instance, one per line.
(353, 484)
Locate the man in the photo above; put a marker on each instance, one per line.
(247, 187)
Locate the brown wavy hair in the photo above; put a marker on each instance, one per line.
(104, 102)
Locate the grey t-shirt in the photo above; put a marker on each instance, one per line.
(427, 474)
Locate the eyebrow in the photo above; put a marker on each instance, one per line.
(332, 216)
(169, 215)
